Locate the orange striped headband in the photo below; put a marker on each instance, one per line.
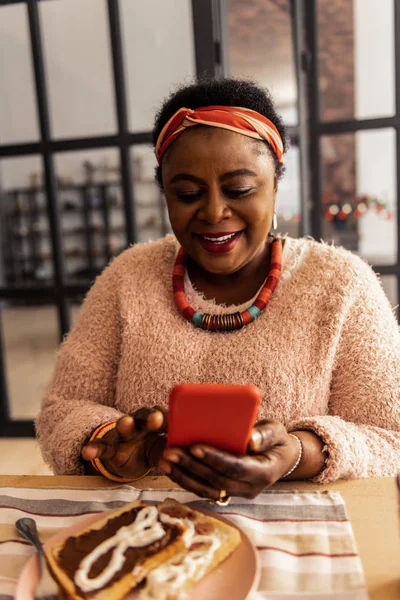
(241, 120)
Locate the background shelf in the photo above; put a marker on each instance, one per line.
(93, 229)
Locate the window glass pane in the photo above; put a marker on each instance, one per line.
(158, 52)
(31, 338)
(91, 207)
(288, 201)
(18, 118)
(356, 58)
(389, 284)
(79, 68)
(359, 183)
(25, 250)
(151, 209)
(260, 47)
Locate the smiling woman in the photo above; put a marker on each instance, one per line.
(213, 194)
(226, 300)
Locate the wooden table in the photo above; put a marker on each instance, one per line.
(371, 504)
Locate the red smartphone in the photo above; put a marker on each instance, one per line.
(221, 415)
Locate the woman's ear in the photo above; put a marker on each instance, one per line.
(275, 184)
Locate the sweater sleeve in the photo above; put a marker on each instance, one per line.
(362, 428)
(81, 394)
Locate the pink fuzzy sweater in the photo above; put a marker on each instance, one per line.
(325, 353)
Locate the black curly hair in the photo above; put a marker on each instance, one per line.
(225, 92)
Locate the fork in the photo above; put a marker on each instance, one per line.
(47, 588)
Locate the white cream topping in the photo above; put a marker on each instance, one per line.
(145, 530)
(187, 523)
(165, 581)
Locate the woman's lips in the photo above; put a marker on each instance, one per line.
(219, 243)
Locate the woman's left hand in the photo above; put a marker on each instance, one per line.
(206, 471)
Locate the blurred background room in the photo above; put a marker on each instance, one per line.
(80, 81)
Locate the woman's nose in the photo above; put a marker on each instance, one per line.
(214, 208)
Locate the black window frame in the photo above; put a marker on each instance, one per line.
(61, 292)
(210, 44)
(311, 128)
(315, 128)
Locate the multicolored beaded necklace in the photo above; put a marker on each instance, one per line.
(233, 321)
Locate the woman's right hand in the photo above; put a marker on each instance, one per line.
(134, 446)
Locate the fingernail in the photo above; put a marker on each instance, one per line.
(172, 456)
(165, 468)
(197, 452)
(91, 450)
(256, 438)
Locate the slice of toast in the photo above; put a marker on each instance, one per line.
(208, 542)
(148, 543)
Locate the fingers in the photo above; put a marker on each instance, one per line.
(141, 422)
(265, 435)
(126, 428)
(229, 465)
(187, 481)
(99, 449)
(214, 469)
(125, 431)
(89, 452)
(150, 419)
(157, 420)
(154, 445)
(125, 446)
(203, 472)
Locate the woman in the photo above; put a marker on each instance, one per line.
(308, 324)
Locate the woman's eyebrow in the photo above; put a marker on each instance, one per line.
(237, 172)
(223, 177)
(187, 177)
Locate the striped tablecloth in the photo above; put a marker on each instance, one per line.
(306, 543)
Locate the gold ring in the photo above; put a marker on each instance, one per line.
(223, 499)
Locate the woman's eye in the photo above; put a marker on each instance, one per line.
(189, 196)
(194, 195)
(238, 192)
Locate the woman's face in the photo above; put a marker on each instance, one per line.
(220, 188)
